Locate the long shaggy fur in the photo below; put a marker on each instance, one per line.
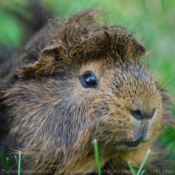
(54, 119)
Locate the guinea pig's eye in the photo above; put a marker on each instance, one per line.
(88, 80)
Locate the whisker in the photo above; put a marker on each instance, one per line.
(167, 131)
(169, 83)
(167, 80)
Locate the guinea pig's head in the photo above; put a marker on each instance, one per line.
(89, 84)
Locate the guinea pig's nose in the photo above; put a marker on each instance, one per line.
(139, 115)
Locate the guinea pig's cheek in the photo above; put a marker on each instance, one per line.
(155, 124)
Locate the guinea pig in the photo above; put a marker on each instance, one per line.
(78, 80)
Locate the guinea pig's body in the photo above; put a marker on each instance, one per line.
(77, 81)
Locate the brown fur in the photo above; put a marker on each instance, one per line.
(55, 118)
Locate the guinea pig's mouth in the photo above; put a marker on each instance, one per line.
(131, 144)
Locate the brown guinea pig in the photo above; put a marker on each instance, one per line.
(83, 81)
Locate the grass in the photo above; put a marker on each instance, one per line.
(131, 168)
(6, 163)
(18, 163)
(97, 158)
(140, 170)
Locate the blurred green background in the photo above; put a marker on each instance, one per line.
(152, 21)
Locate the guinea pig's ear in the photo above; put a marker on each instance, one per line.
(48, 56)
(133, 49)
(52, 52)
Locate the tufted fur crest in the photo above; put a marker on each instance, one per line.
(55, 118)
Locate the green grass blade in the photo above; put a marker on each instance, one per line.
(142, 172)
(143, 162)
(97, 159)
(131, 168)
(5, 161)
(16, 160)
(19, 163)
